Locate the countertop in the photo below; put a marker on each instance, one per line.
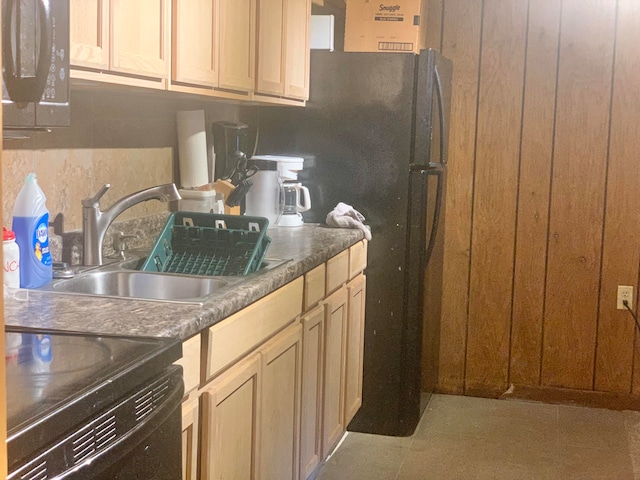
(307, 246)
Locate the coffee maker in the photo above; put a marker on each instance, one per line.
(230, 146)
(276, 193)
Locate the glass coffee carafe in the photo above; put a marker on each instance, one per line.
(296, 200)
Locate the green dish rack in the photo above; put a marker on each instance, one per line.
(196, 243)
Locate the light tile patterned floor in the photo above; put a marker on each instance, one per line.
(467, 438)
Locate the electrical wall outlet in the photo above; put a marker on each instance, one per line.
(625, 292)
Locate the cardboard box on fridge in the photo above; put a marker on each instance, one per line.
(385, 26)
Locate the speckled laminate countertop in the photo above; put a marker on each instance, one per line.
(307, 246)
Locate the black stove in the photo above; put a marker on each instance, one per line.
(62, 386)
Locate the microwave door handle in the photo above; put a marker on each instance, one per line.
(26, 89)
(46, 48)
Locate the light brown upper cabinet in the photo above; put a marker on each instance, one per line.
(283, 48)
(195, 42)
(140, 37)
(235, 49)
(90, 33)
(237, 44)
(130, 37)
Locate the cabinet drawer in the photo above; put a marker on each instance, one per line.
(337, 271)
(357, 258)
(232, 338)
(314, 286)
(190, 363)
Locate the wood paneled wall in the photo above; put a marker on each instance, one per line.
(543, 196)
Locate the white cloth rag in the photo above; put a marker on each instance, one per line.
(345, 216)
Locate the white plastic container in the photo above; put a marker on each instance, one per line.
(197, 200)
(10, 259)
(31, 226)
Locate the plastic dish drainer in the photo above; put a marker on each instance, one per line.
(209, 244)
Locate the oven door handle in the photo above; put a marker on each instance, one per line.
(26, 87)
(98, 464)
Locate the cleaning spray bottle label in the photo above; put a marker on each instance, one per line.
(41, 240)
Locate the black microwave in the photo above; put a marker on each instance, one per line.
(35, 64)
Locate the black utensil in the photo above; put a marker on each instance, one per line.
(237, 195)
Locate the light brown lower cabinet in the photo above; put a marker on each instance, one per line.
(230, 420)
(356, 291)
(190, 432)
(251, 414)
(279, 416)
(333, 426)
(279, 385)
(190, 363)
(312, 380)
(333, 341)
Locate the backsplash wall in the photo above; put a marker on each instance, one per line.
(66, 176)
(125, 138)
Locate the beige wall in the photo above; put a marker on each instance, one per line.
(66, 176)
(125, 138)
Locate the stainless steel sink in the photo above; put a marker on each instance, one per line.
(123, 280)
(140, 285)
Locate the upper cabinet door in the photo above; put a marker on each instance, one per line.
(89, 42)
(283, 48)
(140, 37)
(271, 47)
(298, 15)
(194, 42)
(237, 45)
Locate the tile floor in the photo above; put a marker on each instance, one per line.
(470, 438)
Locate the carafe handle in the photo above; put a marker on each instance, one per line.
(281, 200)
(306, 201)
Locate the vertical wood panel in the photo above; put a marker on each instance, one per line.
(622, 220)
(635, 379)
(432, 311)
(533, 198)
(460, 43)
(434, 24)
(576, 217)
(433, 276)
(496, 180)
(573, 178)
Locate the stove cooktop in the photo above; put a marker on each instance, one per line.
(56, 379)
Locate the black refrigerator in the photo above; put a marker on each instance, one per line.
(374, 136)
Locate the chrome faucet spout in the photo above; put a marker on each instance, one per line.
(96, 222)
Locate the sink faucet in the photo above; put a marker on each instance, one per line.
(96, 222)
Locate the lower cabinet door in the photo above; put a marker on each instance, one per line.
(190, 427)
(334, 369)
(355, 347)
(231, 422)
(280, 408)
(311, 404)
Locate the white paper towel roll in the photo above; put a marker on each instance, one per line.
(192, 149)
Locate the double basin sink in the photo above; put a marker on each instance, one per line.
(122, 280)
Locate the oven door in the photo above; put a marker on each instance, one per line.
(139, 436)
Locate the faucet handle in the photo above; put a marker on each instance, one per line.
(93, 201)
(120, 245)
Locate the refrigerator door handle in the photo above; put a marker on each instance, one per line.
(443, 125)
(436, 214)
